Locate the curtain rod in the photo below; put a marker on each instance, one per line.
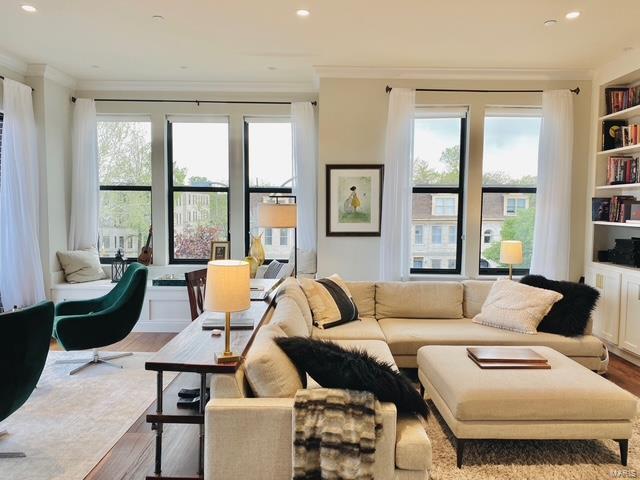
(32, 89)
(198, 102)
(388, 89)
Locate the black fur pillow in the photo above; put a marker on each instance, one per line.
(569, 316)
(354, 369)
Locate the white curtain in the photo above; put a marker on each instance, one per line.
(21, 277)
(395, 241)
(85, 186)
(304, 186)
(551, 242)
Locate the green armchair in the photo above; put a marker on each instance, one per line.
(91, 324)
(22, 357)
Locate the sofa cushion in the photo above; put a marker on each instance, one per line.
(290, 287)
(419, 299)
(516, 306)
(330, 301)
(269, 371)
(287, 315)
(475, 293)
(413, 447)
(406, 335)
(364, 294)
(566, 391)
(366, 328)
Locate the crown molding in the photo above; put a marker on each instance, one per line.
(334, 71)
(177, 86)
(50, 73)
(12, 63)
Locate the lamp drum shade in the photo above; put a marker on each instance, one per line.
(511, 252)
(228, 286)
(277, 215)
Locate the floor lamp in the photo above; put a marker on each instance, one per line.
(281, 215)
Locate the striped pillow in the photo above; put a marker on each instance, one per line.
(330, 301)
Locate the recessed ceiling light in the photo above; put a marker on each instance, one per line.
(303, 12)
(29, 8)
(95, 66)
(550, 23)
(158, 17)
(271, 68)
(627, 49)
(572, 15)
(183, 67)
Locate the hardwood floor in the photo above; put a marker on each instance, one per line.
(132, 457)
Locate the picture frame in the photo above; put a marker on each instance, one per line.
(354, 200)
(220, 250)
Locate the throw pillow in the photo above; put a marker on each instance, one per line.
(333, 366)
(330, 301)
(569, 316)
(515, 306)
(273, 269)
(269, 372)
(81, 265)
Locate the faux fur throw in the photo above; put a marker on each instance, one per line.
(335, 434)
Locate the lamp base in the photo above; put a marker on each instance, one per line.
(224, 357)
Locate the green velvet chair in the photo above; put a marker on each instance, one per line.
(27, 336)
(91, 324)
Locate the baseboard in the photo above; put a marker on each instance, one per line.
(630, 357)
(160, 327)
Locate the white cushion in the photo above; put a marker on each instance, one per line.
(269, 371)
(515, 306)
(419, 299)
(287, 315)
(81, 265)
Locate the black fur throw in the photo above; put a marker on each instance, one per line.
(569, 316)
(333, 366)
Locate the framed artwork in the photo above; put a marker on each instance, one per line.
(354, 200)
(219, 250)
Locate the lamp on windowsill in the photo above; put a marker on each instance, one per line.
(511, 254)
(281, 215)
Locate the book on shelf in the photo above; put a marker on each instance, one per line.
(612, 133)
(600, 209)
(621, 98)
(620, 208)
(623, 169)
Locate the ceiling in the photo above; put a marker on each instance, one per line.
(265, 41)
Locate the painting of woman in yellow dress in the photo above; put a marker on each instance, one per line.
(356, 204)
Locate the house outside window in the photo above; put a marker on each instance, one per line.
(268, 236)
(512, 205)
(418, 262)
(436, 263)
(419, 235)
(444, 205)
(284, 237)
(436, 235)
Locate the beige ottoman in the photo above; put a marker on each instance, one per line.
(567, 401)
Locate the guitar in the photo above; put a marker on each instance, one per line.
(146, 254)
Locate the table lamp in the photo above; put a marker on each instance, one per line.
(281, 215)
(228, 290)
(511, 254)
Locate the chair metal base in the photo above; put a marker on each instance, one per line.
(10, 454)
(96, 359)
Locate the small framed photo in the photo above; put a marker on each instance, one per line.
(354, 200)
(219, 250)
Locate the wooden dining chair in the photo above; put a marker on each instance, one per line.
(196, 285)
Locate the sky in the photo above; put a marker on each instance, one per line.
(510, 143)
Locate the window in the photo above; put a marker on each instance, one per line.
(509, 174)
(438, 179)
(284, 237)
(419, 235)
(418, 262)
(268, 171)
(198, 158)
(436, 234)
(124, 150)
(451, 263)
(268, 236)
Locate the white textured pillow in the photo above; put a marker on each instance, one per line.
(269, 371)
(515, 306)
(81, 265)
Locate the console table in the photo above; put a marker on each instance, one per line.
(192, 350)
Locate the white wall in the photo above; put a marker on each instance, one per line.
(352, 123)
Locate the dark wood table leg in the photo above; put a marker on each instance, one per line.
(158, 426)
(203, 402)
(624, 450)
(459, 451)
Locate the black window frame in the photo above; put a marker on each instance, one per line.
(505, 190)
(459, 190)
(171, 189)
(126, 188)
(248, 190)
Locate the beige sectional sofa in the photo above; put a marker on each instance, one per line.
(248, 437)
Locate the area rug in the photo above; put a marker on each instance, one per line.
(71, 421)
(530, 460)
